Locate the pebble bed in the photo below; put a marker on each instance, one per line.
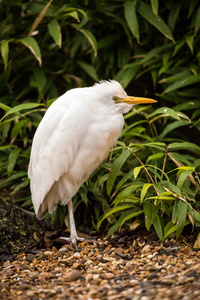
(120, 268)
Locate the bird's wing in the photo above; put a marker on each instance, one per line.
(55, 146)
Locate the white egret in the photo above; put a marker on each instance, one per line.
(73, 138)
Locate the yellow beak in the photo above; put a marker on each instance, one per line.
(137, 100)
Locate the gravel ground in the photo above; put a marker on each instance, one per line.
(136, 268)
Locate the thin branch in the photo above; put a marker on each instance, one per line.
(164, 162)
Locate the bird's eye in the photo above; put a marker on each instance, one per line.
(115, 98)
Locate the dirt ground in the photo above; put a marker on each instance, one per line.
(136, 267)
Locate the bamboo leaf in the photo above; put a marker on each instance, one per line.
(171, 127)
(149, 212)
(155, 51)
(181, 217)
(131, 18)
(5, 52)
(73, 14)
(146, 12)
(182, 83)
(190, 41)
(155, 156)
(40, 78)
(122, 219)
(124, 179)
(12, 159)
(196, 215)
(145, 188)
(39, 18)
(197, 21)
(184, 145)
(17, 128)
(154, 6)
(136, 171)
(158, 226)
(130, 216)
(182, 178)
(166, 111)
(126, 74)
(20, 107)
(89, 69)
(4, 106)
(31, 43)
(55, 32)
(90, 37)
(169, 229)
(111, 212)
(127, 192)
(116, 168)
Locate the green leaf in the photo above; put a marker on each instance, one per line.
(12, 159)
(55, 32)
(178, 47)
(182, 178)
(169, 229)
(166, 111)
(175, 212)
(158, 226)
(126, 74)
(32, 44)
(5, 52)
(182, 83)
(190, 41)
(89, 69)
(181, 217)
(145, 188)
(131, 215)
(4, 106)
(73, 14)
(116, 168)
(40, 78)
(111, 212)
(155, 51)
(90, 37)
(124, 179)
(149, 212)
(145, 11)
(169, 128)
(118, 223)
(155, 156)
(17, 128)
(136, 171)
(131, 18)
(184, 146)
(197, 21)
(192, 7)
(154, 6)
(20, 107)
(13, 177)
(127, 192)
(196, 215)
(122, 219)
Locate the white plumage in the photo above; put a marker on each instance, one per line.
(73, 138)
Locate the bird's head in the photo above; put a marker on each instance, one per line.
(112, 91)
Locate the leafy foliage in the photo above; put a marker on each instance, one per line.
(152, 48)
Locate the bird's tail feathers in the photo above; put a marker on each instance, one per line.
(48, 205)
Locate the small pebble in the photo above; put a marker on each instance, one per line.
(72, 275)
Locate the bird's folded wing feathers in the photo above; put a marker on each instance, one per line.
(55, 146)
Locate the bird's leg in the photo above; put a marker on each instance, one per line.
(73, 234)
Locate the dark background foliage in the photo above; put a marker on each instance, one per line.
(152, 48)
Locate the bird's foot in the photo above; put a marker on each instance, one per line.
(76, 238)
